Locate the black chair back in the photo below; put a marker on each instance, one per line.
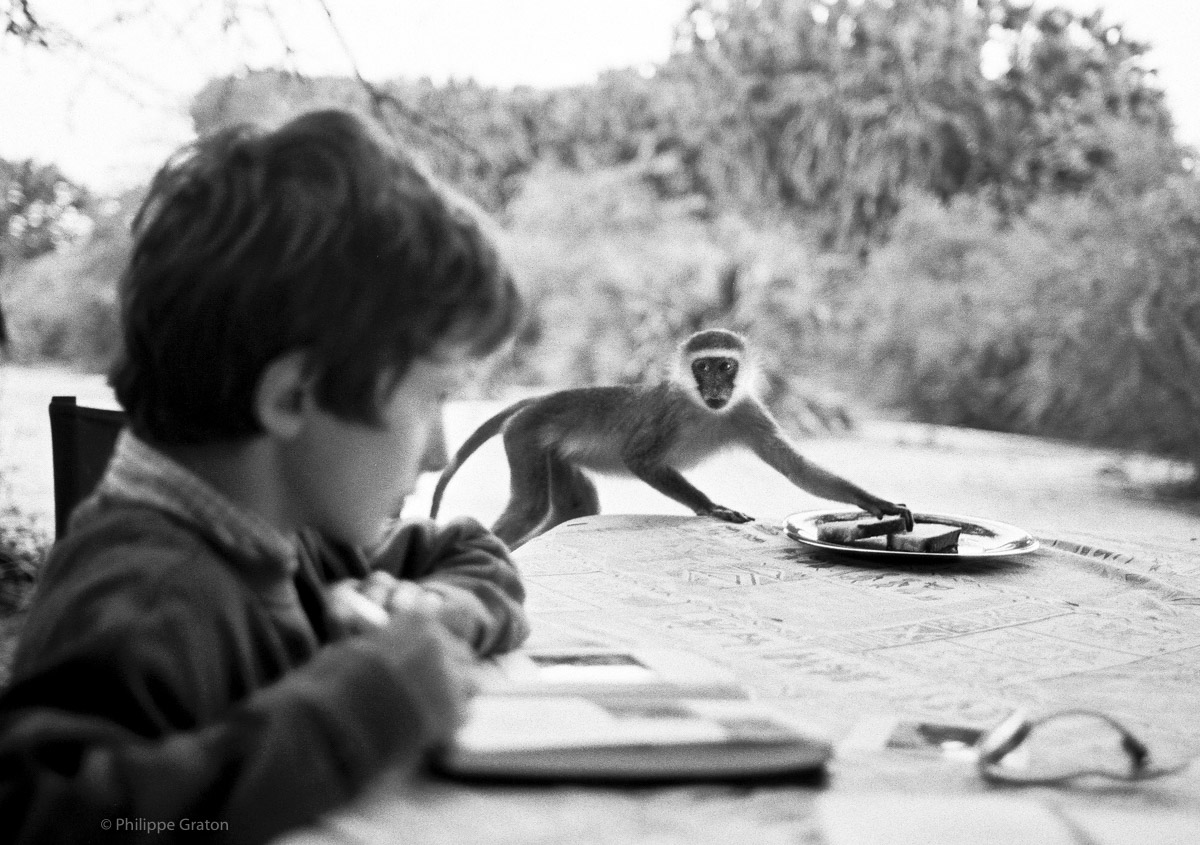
(82, 440)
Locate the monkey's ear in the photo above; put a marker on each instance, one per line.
(280, 397)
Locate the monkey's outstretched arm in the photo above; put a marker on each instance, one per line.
(769, 442)
(671, 483)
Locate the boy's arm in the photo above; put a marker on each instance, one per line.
(288, 753)
(471, 570)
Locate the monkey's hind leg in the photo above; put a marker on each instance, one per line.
(566, 494)
(572, 495)
(529, 489)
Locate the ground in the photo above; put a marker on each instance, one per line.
(1041, 485)
(1048, 488)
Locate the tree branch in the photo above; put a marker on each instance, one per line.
(19, 21)
(380, 97)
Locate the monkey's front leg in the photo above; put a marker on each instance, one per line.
(727, 514)
(779, 453)
(882, 507)
(671, 483)
(827, 484)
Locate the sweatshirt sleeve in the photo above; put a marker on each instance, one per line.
(463, 556)
(281, 757)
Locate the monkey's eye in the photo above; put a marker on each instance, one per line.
(725, 366)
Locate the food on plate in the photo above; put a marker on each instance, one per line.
(867, 532)
(926, 537)
(850, 530)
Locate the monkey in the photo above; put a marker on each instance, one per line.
(651, 432)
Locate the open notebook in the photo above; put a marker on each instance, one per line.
(613, 715)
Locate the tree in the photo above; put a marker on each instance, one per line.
(836, 107)
(41, 209)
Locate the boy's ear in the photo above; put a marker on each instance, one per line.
(281, 396)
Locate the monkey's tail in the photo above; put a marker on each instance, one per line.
(481, 435)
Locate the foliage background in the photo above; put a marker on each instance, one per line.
(970, 214)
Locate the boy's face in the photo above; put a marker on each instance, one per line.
(345, 478)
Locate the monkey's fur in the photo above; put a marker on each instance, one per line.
(650, 432)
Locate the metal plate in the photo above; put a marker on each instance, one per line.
(980, 538)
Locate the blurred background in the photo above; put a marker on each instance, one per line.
(980, 213)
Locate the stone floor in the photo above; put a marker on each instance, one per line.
(1043, 486)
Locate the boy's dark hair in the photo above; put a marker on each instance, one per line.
(321, 236)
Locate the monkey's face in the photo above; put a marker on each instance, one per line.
(716, 379)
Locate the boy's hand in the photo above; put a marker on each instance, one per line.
(396, 595)
(460, 667)
(379, 601)
(368, 603)
(461, 611)
(353, 609)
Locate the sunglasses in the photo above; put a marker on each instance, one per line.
(1063, 746)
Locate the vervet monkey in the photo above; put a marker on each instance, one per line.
(652, 432)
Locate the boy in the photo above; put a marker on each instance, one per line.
(208, 643)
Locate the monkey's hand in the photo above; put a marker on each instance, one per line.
(882, 507)
(726, 515)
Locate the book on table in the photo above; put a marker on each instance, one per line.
(624, 716)
(601, 671)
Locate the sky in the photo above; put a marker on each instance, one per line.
(108, 113)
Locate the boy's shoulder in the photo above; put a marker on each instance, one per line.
(130, 562)
(129, 541)
(127, 581)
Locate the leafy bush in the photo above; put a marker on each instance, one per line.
(22, 550)
(40, 209)
(617, 276)
(836, 108)
(61, 307)
(1080, 320)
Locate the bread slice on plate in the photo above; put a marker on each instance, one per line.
(850, 530)
(926, 537)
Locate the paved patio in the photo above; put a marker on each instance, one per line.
(1046, 487)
